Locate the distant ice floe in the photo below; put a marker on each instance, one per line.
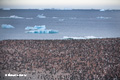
(16, 17)
(6, 9)
(61, 19)
(40, 9)
(6, 26)
(42, 27)
(13, 17)
(85, 37)
(41, 16)
(54, 17)
(40, 30)
(102, 9)
(29, 18)
(72, 18)
(103, 17)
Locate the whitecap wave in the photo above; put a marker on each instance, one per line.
(13, 17)
(85, 37)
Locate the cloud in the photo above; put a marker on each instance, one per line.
(60, 3)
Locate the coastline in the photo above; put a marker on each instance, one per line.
(75, 59)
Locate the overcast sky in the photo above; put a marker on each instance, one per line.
(72, 4)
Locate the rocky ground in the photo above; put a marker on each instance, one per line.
(92, 59)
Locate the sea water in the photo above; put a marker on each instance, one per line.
(70, 23)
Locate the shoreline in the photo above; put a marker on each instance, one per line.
(60, 39)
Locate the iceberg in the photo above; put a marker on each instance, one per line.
(40, 9)
(103, 17)
(6, 9)
(102, 9)
(42, 27)
(85, 37)
(42, 31)
(41, 16)
(6, 26)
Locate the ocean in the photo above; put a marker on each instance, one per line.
(70, 23)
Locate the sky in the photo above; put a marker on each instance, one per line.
(61, 4)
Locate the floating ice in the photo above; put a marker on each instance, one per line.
(13, 17)
(42, 27)
(54, 17)
(6, 26)
(6, 9)
(102, 9)
(16, 17)
(72, 18)
(85, 37)
(40, 9)
(42, 31)
(103, 17)
(29, 18)
(61, 19)
(41, 16)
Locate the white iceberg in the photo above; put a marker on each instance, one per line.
(103, 17)
(85, 37)
(102, 9)
(42, 27)
(6, 26)
(40, 9)
(42, 31)
(41, 16)
(6, 9)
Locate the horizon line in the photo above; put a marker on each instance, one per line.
(64, 8)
